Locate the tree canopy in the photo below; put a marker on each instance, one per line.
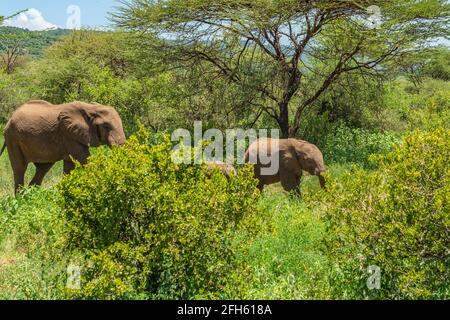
(287, 52)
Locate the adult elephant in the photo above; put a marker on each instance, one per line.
(291, 156)
(42, 133)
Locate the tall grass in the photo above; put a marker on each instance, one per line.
(32, 262)
(287, 263)
(32, 259)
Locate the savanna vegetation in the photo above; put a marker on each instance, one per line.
(375, 100)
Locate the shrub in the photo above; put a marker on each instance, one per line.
(14, 91)
(32, 263)
(425, 108)
(438, 67)
(151, 228)
(343, 144)
(397, 218)
(346, 145)
(283, 262)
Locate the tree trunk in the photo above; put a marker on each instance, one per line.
(283, 120)
(290, 90)
(296, 125)
(292, 132)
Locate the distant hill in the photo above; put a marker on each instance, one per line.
(34, 41)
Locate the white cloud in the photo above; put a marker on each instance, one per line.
(31, 19)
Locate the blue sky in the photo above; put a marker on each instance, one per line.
(51, 13)
(48, 14)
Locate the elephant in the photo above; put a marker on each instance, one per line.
(42, 133)
(227, 169)
(294, 156)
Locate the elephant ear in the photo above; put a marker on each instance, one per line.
(76, 124)
(291, 159)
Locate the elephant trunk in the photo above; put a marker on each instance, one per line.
(322, 181)
(116, 140)
(319, 170)
(3, 149)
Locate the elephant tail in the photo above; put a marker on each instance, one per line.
(3, 149)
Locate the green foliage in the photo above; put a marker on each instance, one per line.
(407, 108)
(142, 227)
(424, 107)
(94, 67)
(357, 101)
(438, 67)
(105, 49)
(6, 98)
(281, 78)
(347, 145)
(33, 42)
(343, 144)
(32, 263)
(81, 79)
(150, 226)
(429, 63)
(283, 262)
(397, 218)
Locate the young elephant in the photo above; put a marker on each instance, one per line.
(43, 133)
(227, 169)
(293, 156)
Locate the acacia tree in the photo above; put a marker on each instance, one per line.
(288, 52)
(11, 46)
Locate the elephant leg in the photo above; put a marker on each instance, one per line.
(68, 166)
(41, 171)
(78, 153)
(19, 177)
(19, 166)
(322, 182)
(290, 181)
(261, 185)
(257, 175)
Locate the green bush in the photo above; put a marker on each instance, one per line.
(397, 218)
(438, 67)
(75, 78)
(284, 261)
(151, 228)
(14, 90)
(347, 145)
(32, 259)
(343, 144)
(424, 107)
